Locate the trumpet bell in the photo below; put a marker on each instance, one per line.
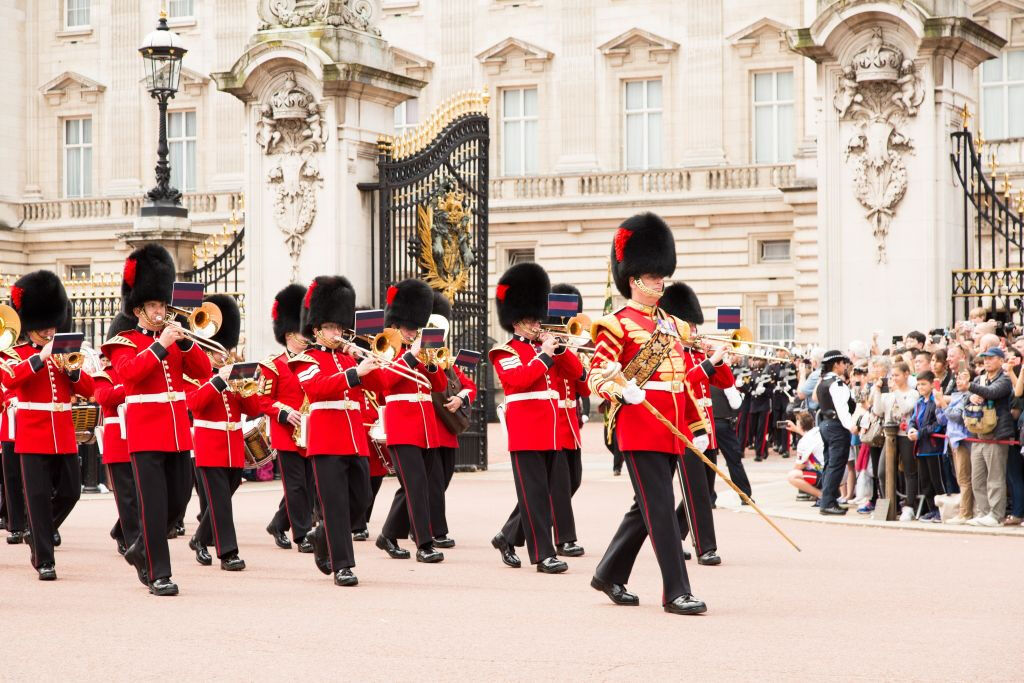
(387, 344)
(741, 337)
(206, 320)
(10, 327)
(579, 324)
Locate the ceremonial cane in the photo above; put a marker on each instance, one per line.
(613, 372)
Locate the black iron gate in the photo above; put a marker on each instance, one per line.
(433, 226)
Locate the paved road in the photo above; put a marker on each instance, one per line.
(857, 603)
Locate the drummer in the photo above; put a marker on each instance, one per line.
(217, 411)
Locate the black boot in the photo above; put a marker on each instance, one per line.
(280, 538)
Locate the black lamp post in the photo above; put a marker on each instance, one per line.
(162, 51)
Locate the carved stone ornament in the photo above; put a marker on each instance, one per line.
(355, 14)
(878, 91)
(292, 131)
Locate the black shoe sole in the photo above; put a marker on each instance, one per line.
(52, 576)
(400, 554)
(447, 543)
(599, 585)
(236, 568)
(433, 560)
(696, 610)
(541, 569)
(163, 592)
(347, 583)
(574, 553)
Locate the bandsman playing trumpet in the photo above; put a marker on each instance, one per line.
(45, 385)
(336, 441)
(217, 409)
(151, 361)
(12, 509)
(281, 398)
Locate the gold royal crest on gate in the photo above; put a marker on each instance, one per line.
(445, 248)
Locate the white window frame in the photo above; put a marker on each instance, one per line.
(83, 165)
(774, 105)
(522, 119)
(79, 271)
(402, 120)
(171, 4)
(774, 324)
(80, 6)
(645, 112)
(1003, 84)
(515, 255)
(187, 175)
(761, 244)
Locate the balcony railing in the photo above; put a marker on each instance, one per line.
(54, 210)
(623, 183)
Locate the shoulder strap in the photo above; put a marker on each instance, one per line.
(606, 322)
(304, 358)
(119, 339)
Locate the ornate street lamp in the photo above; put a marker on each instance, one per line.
(162, 50)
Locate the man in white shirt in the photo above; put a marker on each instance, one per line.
(835, 421)
(806, 473)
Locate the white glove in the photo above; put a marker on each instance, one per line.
(701, 442)
(734, 396)
(632, 394)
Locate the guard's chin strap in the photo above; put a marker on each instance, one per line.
(645, 289)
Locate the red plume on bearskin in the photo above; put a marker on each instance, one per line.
(273, 311)
(287, 311)
(16, 293)
(129, 272)
(621, 238)
(309, 294)
(500, 292)
(410, 303)
(392, 293)
(522, 293)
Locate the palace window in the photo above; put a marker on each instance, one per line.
(77, 157)
(775, 325)
(76, 13)
(181, 139)
(1002, 93)
(77, 271)
(407, 115)
(177, 9)
(519, 131)
(642, 124)
(519, 255)
(773, 117)
(773, 250)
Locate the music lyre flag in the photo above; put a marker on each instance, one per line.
(370, 322)
(187, 294)
(432, 338)
(728, 318)
(243, 370)
(563, 305)
(467, 358)
(68, 342)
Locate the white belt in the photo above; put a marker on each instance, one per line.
(220, 426)
(673, 387)
(567, 403)
(165, 397)
(413, 398)
(334, 405)
(47, 407)
(548, 395)
(112, 421)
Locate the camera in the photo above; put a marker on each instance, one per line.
(781, 424)
(860, 371)
(896, 339)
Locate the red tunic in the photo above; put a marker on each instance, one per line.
(110, 397)
(529, 379)
(618, 337)
(280, 393)
(335, 391)
(409, 418)
(700, 390)
(568, 391)
(449, 440)
(155, 389)
(217, 423)
(39, 384)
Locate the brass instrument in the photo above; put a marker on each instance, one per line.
(301, 433)
(10, 327)
(575, 333)
(245, 387)
(742, 342)
(69, 362)
(439, 356)
(384, 347)
(203, 323)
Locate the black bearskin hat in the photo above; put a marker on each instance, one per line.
(442, 306)
(231, 324)
(68, 321)
(643, 245)
(148, 276)
(121, 323)
(329, 299)
(409, 304)
(680, 300)
(522, 293)
(566, 288)
(287, 311)
(40, 300)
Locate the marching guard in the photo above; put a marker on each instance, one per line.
(529, 366)
(336, 441)
(644, 341)
(13, 493)
(45, 385)
(217, 409)
(151, 361)
(281, 398)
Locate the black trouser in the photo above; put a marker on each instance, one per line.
(163, 482)
(412, 499)
(929, 471)
(560, 493)
(200, 492)
(743, 426)
(875, 453)
(295, 510)
(905, 454)
(652, 514)
(694, 511)
(440, 477)
(779, 435)
(612, 444)
(759, 423)
(217, 524)
(837, 454)
(729, 445)
(341, 487)
(53, 484)
(530, 521)
(122, 480)
(14, 492)
(575, 460)
(361, 521)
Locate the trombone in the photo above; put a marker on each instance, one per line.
(574, 333)
(742, 342)
(203, 323)
(384, 346)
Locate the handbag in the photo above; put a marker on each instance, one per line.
(456, 422)
(980, 419)
(873, 434)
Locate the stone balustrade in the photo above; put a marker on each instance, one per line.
(98, 208)
(661, 181)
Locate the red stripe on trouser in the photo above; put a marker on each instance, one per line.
(647, 514)
(690, 512)
(526, 506)
(764, 437)
(323, 515)
(209, 510)
(408, 498)
(142, 515)
(28, 508)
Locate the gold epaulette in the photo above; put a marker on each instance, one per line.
(606, 322)
(193, 382)
(304, 358)
(268, 362)
(103, 375)
(502, 347)
(124, 341)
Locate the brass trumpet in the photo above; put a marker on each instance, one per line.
(742, 342)
(203, 323)
(384, 347)
(245, 387)
(576, 327)
(10, 327)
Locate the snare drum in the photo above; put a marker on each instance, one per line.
(257, 446)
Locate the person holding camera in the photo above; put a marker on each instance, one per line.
(810, 452)
(893, 400)
(988, 457)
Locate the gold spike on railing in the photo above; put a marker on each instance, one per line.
(416, 139)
